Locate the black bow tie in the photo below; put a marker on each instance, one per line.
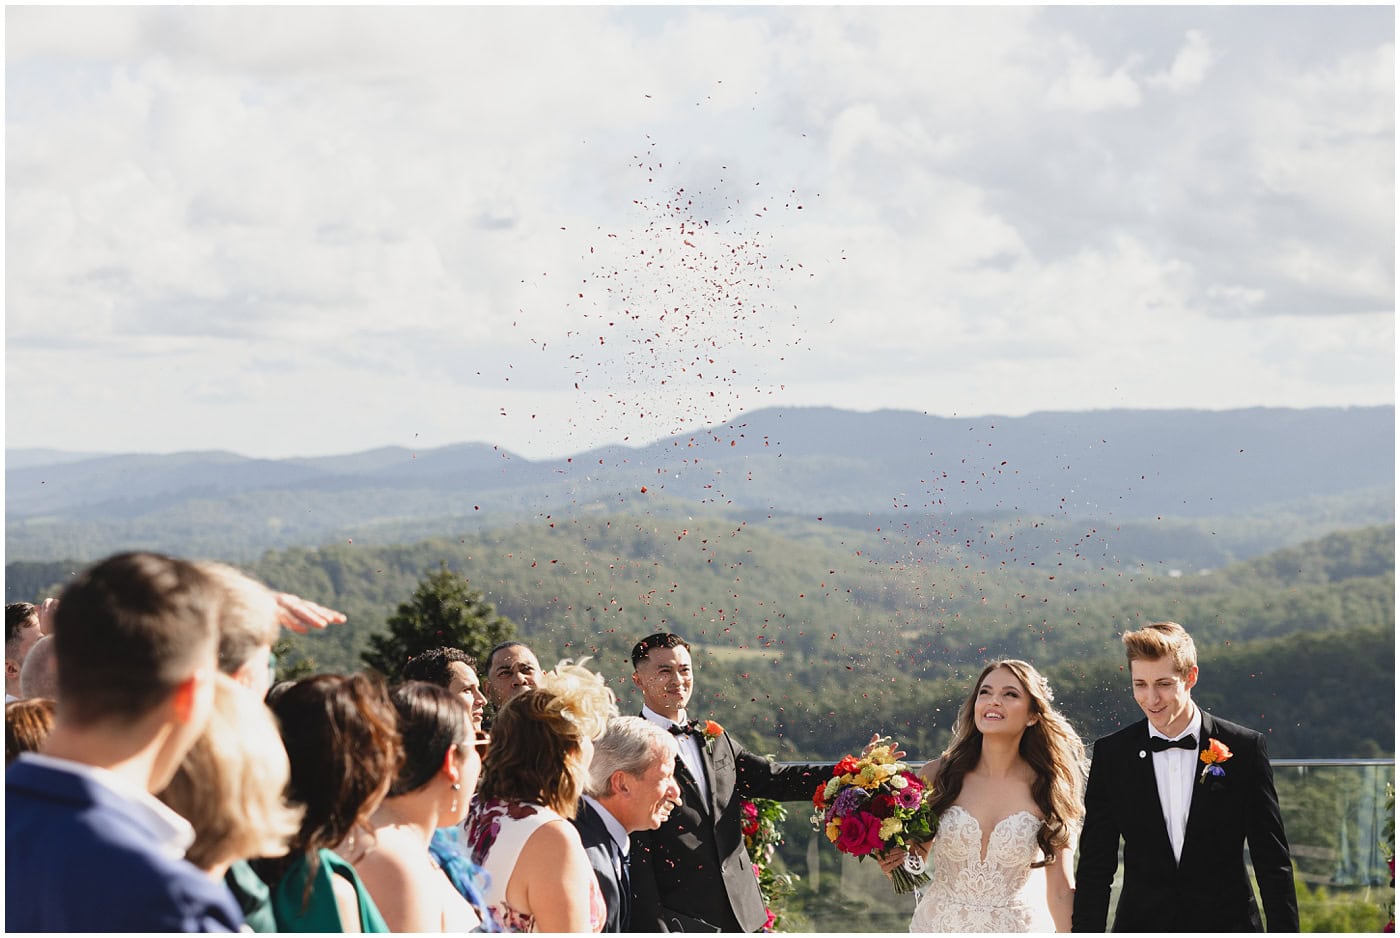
(1158, 744)
(688, 729)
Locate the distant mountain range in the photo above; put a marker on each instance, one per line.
(1110, 465)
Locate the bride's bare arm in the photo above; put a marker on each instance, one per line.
(1059, 888)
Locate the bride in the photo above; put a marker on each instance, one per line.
(1008, 795)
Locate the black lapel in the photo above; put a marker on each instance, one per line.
(707, 761)
(1196, 816)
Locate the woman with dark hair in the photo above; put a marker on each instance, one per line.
(1008, 793)
(432, 790)
(532, 779)
(342, 738)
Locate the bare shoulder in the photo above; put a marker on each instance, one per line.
(930, 769)
(551, 839)
(389, 861)
(347, 904)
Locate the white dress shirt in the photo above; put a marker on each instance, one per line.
(688, 747)
(1176, 779)
(614, 826)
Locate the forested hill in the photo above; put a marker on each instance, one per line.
(1307, 471)
(807, 644)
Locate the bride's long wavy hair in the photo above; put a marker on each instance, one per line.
(1050, 745)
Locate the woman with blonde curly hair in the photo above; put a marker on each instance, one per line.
(533, 775)
(1008, 793)
(230, 788)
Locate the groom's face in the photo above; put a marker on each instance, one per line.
(1164, 694)
(665, 679)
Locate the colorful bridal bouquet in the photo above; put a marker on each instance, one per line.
(875, 803)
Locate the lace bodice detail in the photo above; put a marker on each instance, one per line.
(972, 893)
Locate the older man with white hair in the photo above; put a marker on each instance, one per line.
(631, 787)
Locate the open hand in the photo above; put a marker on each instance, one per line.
(876, 740)
(299, 614)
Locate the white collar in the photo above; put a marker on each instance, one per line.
(663, 722)
(173, 833)
(614, 826)
(1193, 727)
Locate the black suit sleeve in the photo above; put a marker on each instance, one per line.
(757, 777)
(1268, 847)
(1098, 849)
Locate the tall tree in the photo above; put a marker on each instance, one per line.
(444, 611)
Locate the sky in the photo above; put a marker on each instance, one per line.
(316, 230)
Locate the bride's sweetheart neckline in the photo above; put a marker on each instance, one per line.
(986, 839)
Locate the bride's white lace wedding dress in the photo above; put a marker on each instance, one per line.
(975, 893)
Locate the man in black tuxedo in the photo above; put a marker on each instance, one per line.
(693, 873)
(631, 787)
(1183, 818)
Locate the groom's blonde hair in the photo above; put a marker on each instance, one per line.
(1161, 640)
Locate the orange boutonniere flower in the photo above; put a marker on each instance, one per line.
(712, 731)
(1213, 755)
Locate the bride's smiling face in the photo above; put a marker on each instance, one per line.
(1002, 706)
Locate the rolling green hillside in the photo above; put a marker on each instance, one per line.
(809, 639)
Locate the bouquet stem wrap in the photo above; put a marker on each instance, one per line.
(906, 880)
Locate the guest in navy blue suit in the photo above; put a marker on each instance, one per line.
(631, 787)
(87, 846)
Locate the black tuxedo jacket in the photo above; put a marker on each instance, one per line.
(693, 873)
(597, 843)
(1209, 890)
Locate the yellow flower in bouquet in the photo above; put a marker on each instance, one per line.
(890, 826)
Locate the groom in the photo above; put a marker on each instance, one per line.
(1184, 791)
(693, 873)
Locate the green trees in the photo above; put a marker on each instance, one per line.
(444, 610)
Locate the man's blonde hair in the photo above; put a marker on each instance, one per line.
(247, 614)
(1161, 640)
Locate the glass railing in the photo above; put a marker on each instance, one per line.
(1333, 812)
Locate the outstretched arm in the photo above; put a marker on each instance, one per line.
(299, 614)
(757, 777)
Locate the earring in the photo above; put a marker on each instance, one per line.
(455, 788)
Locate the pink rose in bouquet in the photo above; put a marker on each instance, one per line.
(860, 834)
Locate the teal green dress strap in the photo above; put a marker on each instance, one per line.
(253, 896)
(320, 913)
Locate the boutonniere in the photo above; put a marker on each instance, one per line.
(1213, 755)
(712, 732)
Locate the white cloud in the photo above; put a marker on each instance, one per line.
(1190, 66)
(1085, 85)
(399, 206)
